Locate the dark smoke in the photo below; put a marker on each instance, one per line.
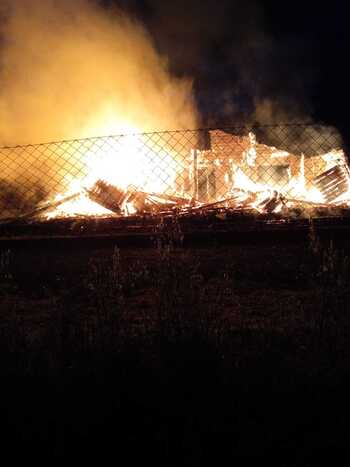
(281, 62)
(237, 60)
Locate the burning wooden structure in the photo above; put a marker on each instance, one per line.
(221, 170)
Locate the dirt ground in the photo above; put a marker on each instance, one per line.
(191, 354)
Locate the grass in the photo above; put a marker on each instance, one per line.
(182, 356)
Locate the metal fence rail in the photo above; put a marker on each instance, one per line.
(123, 174)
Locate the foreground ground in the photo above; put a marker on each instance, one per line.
(179, 355)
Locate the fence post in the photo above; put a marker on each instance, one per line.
(195, 174)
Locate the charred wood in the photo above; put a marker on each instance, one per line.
(49, 206)
(333, 183)
(270, 203)
(108, 196)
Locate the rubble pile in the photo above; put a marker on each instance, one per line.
(234, 173)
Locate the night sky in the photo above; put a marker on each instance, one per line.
(241, 54)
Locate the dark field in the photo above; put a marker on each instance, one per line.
(175, 356)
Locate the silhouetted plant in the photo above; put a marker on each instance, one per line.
(168, 233)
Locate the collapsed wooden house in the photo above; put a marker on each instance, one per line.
(226, 170)
(210, 172)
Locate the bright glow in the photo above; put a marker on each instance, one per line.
(122, 162)
(133, 164)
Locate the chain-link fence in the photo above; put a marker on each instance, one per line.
(151, 172)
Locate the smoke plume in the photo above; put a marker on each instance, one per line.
(73, 69)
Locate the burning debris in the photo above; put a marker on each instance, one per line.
(108, 196)
(127, 177)
(333, 183)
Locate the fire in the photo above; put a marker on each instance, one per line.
(115, 83)
(127, 162)
(296, 190)
(131, 174)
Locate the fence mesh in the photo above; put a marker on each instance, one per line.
(123, 174)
